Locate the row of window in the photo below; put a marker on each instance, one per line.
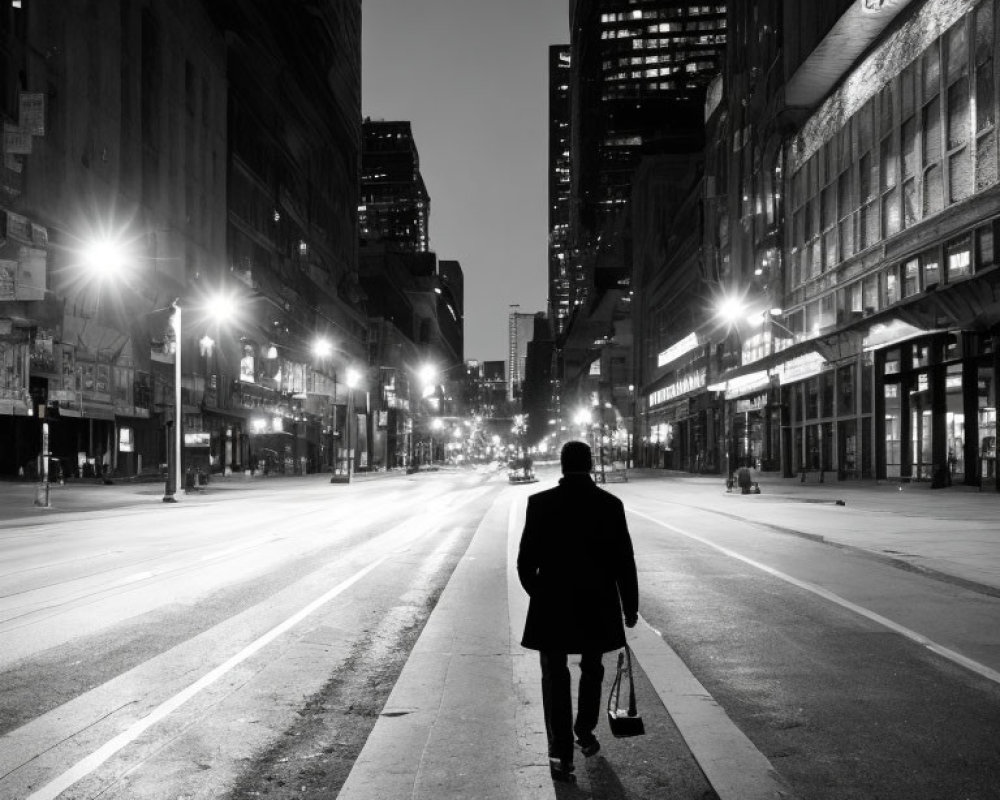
(663, 72)
(925, 141)
(956, 260)
(662, 13)
(672, 56)
(622, 91)
(640, 42)
(832, 394)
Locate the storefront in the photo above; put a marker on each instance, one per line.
(750, 435)
(677, 426)
(830, 419)
(937, 409)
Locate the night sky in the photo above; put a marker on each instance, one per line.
(472, 77)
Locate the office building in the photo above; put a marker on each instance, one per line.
(562, 275)
(395, 208)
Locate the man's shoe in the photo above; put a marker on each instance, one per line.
(561, 769)
(589, 745)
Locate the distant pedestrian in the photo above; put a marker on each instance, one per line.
(577, 566)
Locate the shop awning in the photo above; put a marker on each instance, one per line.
(850, 36)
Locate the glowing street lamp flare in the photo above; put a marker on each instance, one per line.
(428, 373)
(105, 258)
(731, 308)
(322, 348)
(221, 307)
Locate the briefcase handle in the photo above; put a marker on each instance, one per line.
(624, 660)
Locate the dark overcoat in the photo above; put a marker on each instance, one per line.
(576, 564)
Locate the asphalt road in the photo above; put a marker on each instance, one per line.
(243, 643)
(791, 637)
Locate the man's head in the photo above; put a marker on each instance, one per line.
(575, 457)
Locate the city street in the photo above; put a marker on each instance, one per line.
(285, 637)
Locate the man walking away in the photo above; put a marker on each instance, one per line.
(577, 566)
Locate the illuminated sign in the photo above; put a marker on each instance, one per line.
(744, 384)
(125, 441)
(685, 345)
(695, 379)
(197, 439)
(798, 369)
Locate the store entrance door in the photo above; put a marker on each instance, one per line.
(921, 423)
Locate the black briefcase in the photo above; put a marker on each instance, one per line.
(624, 722)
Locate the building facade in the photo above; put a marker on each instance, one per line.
(147, 137)
(850, 290)
(395, 207)
(639, 72)
(561, 275)
(520, 331)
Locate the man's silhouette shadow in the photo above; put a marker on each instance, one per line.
(599, 783)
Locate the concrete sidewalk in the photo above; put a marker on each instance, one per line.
(464, 719)
(952, 534)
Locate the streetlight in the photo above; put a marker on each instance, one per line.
(427, 374)
(107, 259)
(436, 425)
(322, 348)
(174, 483)
(352, 380)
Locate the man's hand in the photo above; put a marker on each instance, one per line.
(630, 621)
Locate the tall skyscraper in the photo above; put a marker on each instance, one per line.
(639, 72)
(560, 271)
(395, 207)
(520, 330)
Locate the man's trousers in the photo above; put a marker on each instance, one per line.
(557, 700)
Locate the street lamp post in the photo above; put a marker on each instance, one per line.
(42, 497)
(175, 475)
(436, 425)
(106, 259)
(352, 381)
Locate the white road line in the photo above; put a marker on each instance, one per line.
(87, 765)
(919, 638)
(732, 764)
